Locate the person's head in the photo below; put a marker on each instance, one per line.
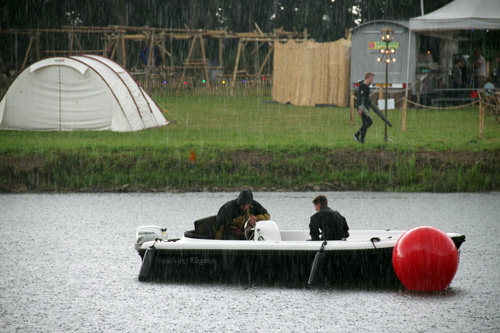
(458, 62)
(477, 53)
(369, 78)
(244, 199)
(320, 201)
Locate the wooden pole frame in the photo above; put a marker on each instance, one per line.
(240, 46)
(114, 40)
(34, 39)
(197, 37)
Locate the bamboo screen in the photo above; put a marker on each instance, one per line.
(310, 73)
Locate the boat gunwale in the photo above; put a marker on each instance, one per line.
(187, 243)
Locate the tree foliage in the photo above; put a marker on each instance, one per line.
(325, 20)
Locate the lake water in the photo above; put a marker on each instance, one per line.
(68, 264)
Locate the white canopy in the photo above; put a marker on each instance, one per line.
(85, 92)
(461, 15)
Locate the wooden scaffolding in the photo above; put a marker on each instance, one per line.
(114, 40)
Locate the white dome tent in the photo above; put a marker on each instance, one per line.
(85, 92)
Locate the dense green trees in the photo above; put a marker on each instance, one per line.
(325, 19)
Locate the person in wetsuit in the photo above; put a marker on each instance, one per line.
(327, 224)
(363, 102)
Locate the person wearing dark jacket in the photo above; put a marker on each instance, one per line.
(233, 214)
(363, 102)
(327, 224)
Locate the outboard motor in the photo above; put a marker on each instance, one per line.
(148, 233)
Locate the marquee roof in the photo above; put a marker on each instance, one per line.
(460, 15)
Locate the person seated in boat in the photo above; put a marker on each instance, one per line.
(233, 214)
(327, 224)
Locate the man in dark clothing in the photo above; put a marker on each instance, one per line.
(456, 74)
(233, 214)
(327, 224)
(363, 102)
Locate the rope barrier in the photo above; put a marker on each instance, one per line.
(432, 107)
(483, 104)
(440, 108)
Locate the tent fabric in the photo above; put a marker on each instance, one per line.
(460, 15)
(309, 73)
(86, 92)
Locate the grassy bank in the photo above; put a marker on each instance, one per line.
(247, 141)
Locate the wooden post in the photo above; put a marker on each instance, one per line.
(417, 87)
(186, 63)
(405, 105)
(353, 98)
(151, 50)
(256, 57)
(28, 52)
(115, 46)
(161, 46)
(108, 43)
(271, 48)
(205, 62)
(172, 50)
(236, 67)
(221, 54)
(37, 46)
(124, 51)
(481, 119)
(78, 42)
(73, 37)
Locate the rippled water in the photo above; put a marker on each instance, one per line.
(68, 264)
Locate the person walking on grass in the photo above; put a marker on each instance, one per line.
(363, 102)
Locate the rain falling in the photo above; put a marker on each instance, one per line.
(270, 158)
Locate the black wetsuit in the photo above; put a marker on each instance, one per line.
(363, 98)
(328, 224)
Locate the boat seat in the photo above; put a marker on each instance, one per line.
(267, 231)
(194, 234)
(205, 225)
(203, 228)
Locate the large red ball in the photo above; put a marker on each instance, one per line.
(425, 258)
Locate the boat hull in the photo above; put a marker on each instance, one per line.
(363, 264)
(371, 268)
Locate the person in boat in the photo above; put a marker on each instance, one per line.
(233, 214)
(326, 223)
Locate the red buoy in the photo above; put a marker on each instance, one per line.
(425, 258)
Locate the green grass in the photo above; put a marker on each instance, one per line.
(249, 121)
(246, 140)
(253, 122)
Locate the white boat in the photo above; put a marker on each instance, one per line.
(272, 257)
